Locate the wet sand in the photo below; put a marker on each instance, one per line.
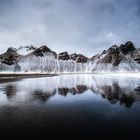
(9, 77)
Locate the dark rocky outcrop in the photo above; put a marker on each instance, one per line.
(73, 56)
(79, 58)
(112, 56)
(10, 57)
(63, 56)
(11, 50)
(43, 50)
(137, 59)
(113, 49)
(116, 59)
(127, 47)
(106, 59)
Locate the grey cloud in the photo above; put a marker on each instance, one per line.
(85, 26)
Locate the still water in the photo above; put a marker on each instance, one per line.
(84, 105)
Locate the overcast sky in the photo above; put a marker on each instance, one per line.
(84, 26)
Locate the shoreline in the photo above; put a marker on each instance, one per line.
(7, 77)
(37, 74)
(10, 77)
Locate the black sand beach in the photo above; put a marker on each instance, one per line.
(7, 77)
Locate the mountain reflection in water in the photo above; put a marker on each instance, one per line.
(72, 105)
(124, 91)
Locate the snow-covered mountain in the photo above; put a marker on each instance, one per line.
(123, 58)
(118, 58)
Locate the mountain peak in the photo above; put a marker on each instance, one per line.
(42, 50)
(11, 49)
(63, 56)
(127, 47)
(10, 56)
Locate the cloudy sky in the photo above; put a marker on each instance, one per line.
(84, 26)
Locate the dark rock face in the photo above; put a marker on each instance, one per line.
(12, 50)
(116, 59)
(137, 59)
(79, 58)
(106, 59)
(43, 50)
(63, 56)
(73, 56)
(127, 47)
(112, 56)
(10, 57)
(113, 49)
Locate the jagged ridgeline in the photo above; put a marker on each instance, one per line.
(121, 58)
